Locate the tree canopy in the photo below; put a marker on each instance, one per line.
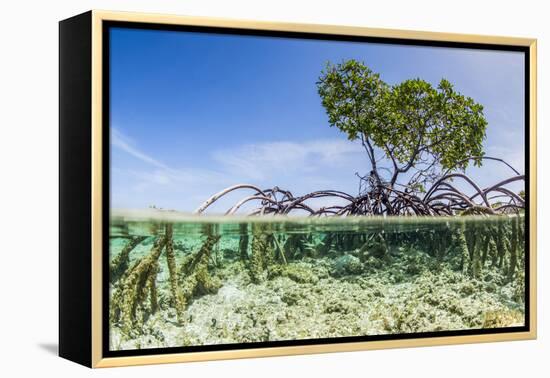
(419, 139)
(419, 128)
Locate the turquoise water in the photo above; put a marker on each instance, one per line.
(179, 280)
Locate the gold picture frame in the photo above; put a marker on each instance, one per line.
(89, 327)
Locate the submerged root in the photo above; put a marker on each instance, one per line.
(177, 298)
(280, 249)
(243, 241)
(474, 247)
(121, 261)
(375, 246)
(194, 277)
(128, 300)
(263, 255)
(129, 305)
(463, 248)
(497, 247)
(514, 242)
(257, 264)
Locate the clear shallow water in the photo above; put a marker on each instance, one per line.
(179, 280)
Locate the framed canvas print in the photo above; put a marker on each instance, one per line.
(235, 189)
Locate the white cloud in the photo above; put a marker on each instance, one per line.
(269, 160)
(124, 143)
(146, 180)
(299, 167)
(162, 174)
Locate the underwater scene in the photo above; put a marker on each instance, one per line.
(179, 280)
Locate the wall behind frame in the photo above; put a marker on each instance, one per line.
(28, 148)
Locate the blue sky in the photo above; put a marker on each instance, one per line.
(194, 113)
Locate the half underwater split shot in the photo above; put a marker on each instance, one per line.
(179, 280)
(299, 189)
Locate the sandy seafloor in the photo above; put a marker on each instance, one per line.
(331, 297)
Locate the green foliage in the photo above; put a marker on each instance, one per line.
(413, 123)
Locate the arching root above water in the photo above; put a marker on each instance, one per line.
(443, 198)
